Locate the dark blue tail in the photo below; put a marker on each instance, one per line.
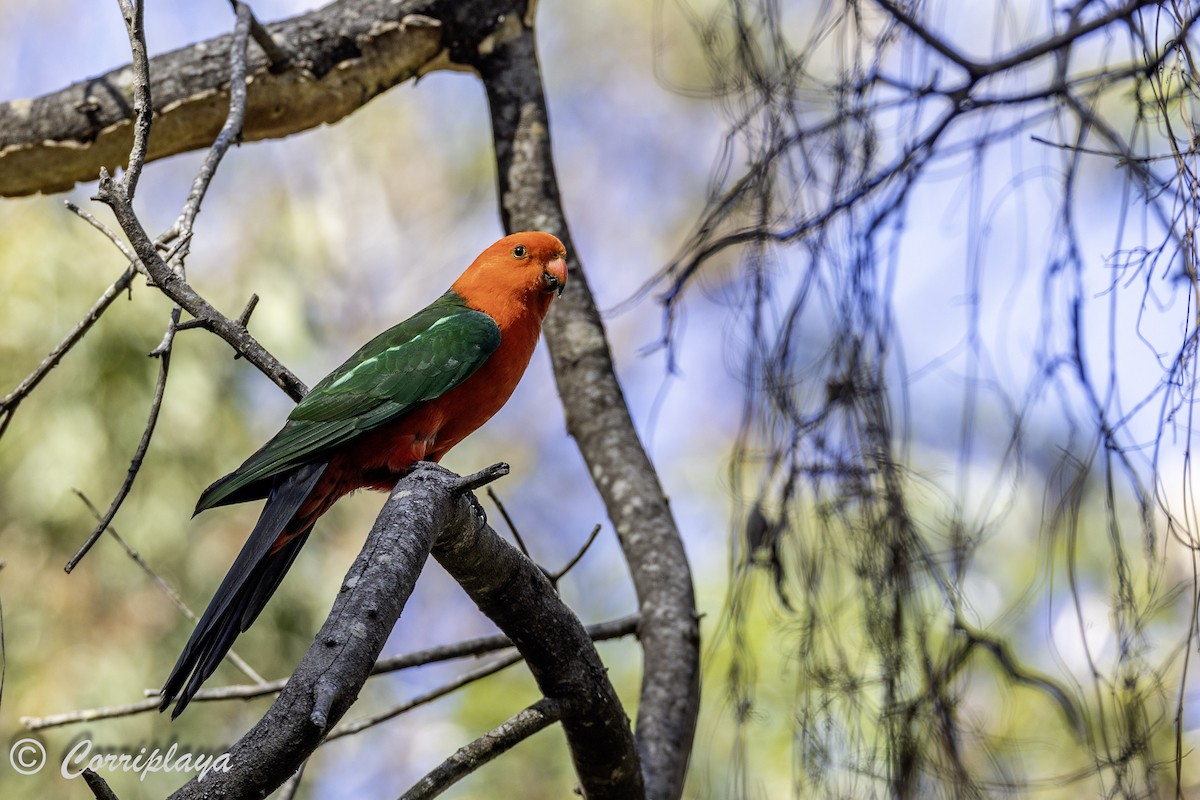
(249, 584)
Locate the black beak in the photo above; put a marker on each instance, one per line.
(551, 283)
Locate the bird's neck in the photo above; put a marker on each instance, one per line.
(511, 312)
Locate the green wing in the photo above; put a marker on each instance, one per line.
(422, 358)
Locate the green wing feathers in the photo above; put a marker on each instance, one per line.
(422, 358)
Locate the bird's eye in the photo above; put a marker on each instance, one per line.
(520, 251)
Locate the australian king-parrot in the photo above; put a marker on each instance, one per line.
(409, 394)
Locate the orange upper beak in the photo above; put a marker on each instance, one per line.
(554, 277)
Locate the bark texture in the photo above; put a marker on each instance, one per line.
(429, 506)
(598, 418)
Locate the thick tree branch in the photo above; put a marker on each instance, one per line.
(373, 594)
(598, 418)
(425, 506)
(517, 596)
(343, 55)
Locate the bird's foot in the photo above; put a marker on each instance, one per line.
(477, 508)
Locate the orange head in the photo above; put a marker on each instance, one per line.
(518, 274)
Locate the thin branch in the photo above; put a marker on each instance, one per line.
(143, 108)
(251, 304)
(243, 319)
(166, 589)
(1048, 46)
(181, 231)
(482, 478)
(292, 785)
(1001, 651)
(467, 678)
(178, 290)
(8, 405)
(557, 576)
(604, 631)
(108, 232)
(173, 284)
(935, 42)
(88, 715)
(499, 740)
(231, 130)
(135, 464)
(279, 55)
(512, 526)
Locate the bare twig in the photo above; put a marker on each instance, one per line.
(133, 13)
(231, 130)
(251, 304)
(118, 195)
(108, 232)
(184, 295)
(8, 405)
(604, 631)
(166, 589)
(170, 281)
(292, 785)
(512, 526)
(181, 231)
(279, 55)
(135, 465)
(89, 715)
(467, 678)
(482, 478)
(557, 576)
(499, 740)
(1048, 46)
(1119, 158)
(99, 787)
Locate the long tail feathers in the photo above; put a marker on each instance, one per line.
(249, 584)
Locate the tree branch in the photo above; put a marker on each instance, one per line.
(122, 192)
(603, 631)
(8, 405)
(466, 679)
(598, 418)
(342, 56)
(514, 593)
(178, 290)
(425, 506)
(497, 741)
(133, 12)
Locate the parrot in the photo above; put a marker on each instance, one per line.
(408, 395)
